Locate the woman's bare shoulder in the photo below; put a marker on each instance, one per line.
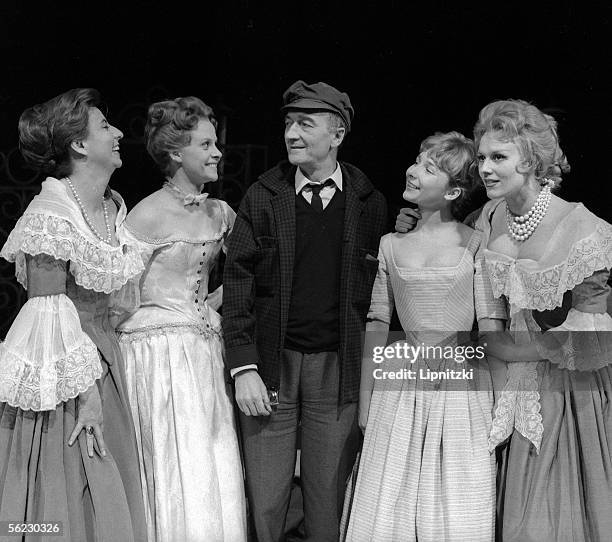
(147, 210)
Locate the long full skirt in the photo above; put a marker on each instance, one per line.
(564, 492)
(43, 480)
(425, 472)
(191, 471)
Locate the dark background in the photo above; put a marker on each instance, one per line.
(410, 69)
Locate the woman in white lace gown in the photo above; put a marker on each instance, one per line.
(426, 473)
(550, 260)
(190, 462)
(67, 445)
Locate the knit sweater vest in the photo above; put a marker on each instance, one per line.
(313, 322)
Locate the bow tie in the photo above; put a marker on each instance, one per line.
(190, 199)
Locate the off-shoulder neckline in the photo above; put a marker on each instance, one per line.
(550, 245)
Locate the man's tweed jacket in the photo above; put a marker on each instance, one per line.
(258, 275)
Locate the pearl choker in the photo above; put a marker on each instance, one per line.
(522, 227)
(108, 238)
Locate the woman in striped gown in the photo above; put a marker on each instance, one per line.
(426, 472)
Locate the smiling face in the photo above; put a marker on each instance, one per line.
(311, 142)
(101, 146)
(427, 185)
(200, 158)
(499, 165)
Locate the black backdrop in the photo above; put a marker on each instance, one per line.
(410, 69)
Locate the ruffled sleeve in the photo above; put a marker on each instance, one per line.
(382, 302)
(583, 341)
(46, 357)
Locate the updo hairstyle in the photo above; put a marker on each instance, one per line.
(47, 130)
(169, 124)
(534, 133)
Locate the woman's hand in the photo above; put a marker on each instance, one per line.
(90, 419)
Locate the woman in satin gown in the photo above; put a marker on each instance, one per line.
(67, 444)
(190, 463)
(425, 471)
(549, 260)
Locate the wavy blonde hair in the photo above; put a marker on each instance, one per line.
(534, 133)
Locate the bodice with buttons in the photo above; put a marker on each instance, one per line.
(174, 286)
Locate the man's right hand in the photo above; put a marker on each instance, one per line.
(407, 219)
(251, 394)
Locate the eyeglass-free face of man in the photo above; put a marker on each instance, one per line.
(312, 140)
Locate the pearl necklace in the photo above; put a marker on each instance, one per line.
(108, 238)
(522, 227)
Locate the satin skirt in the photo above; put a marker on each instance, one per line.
(192, 476)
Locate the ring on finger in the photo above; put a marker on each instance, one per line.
(89, 430)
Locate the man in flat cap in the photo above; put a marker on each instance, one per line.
(300, 266)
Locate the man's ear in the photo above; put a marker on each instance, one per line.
(453, 193)
(338, 136)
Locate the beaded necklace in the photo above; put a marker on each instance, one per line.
(108, 238)
(522, 227)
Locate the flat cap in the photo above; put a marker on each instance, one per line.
(321, 97)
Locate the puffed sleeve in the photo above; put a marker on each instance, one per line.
(46, 357)
(382, 302)
(584, 340)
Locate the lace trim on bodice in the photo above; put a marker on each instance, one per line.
(540, 289)
(95, 266)
(543, 289)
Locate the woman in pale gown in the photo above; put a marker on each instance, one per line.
(550, 260)
(67, 445)
(191, 472)
(426, 472)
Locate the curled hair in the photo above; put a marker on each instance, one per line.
(47, 130)
(455, 155)
(169, 124)
(531, 130)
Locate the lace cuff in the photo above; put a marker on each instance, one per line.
(518, 407)
(46, 358)
(569, 346)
